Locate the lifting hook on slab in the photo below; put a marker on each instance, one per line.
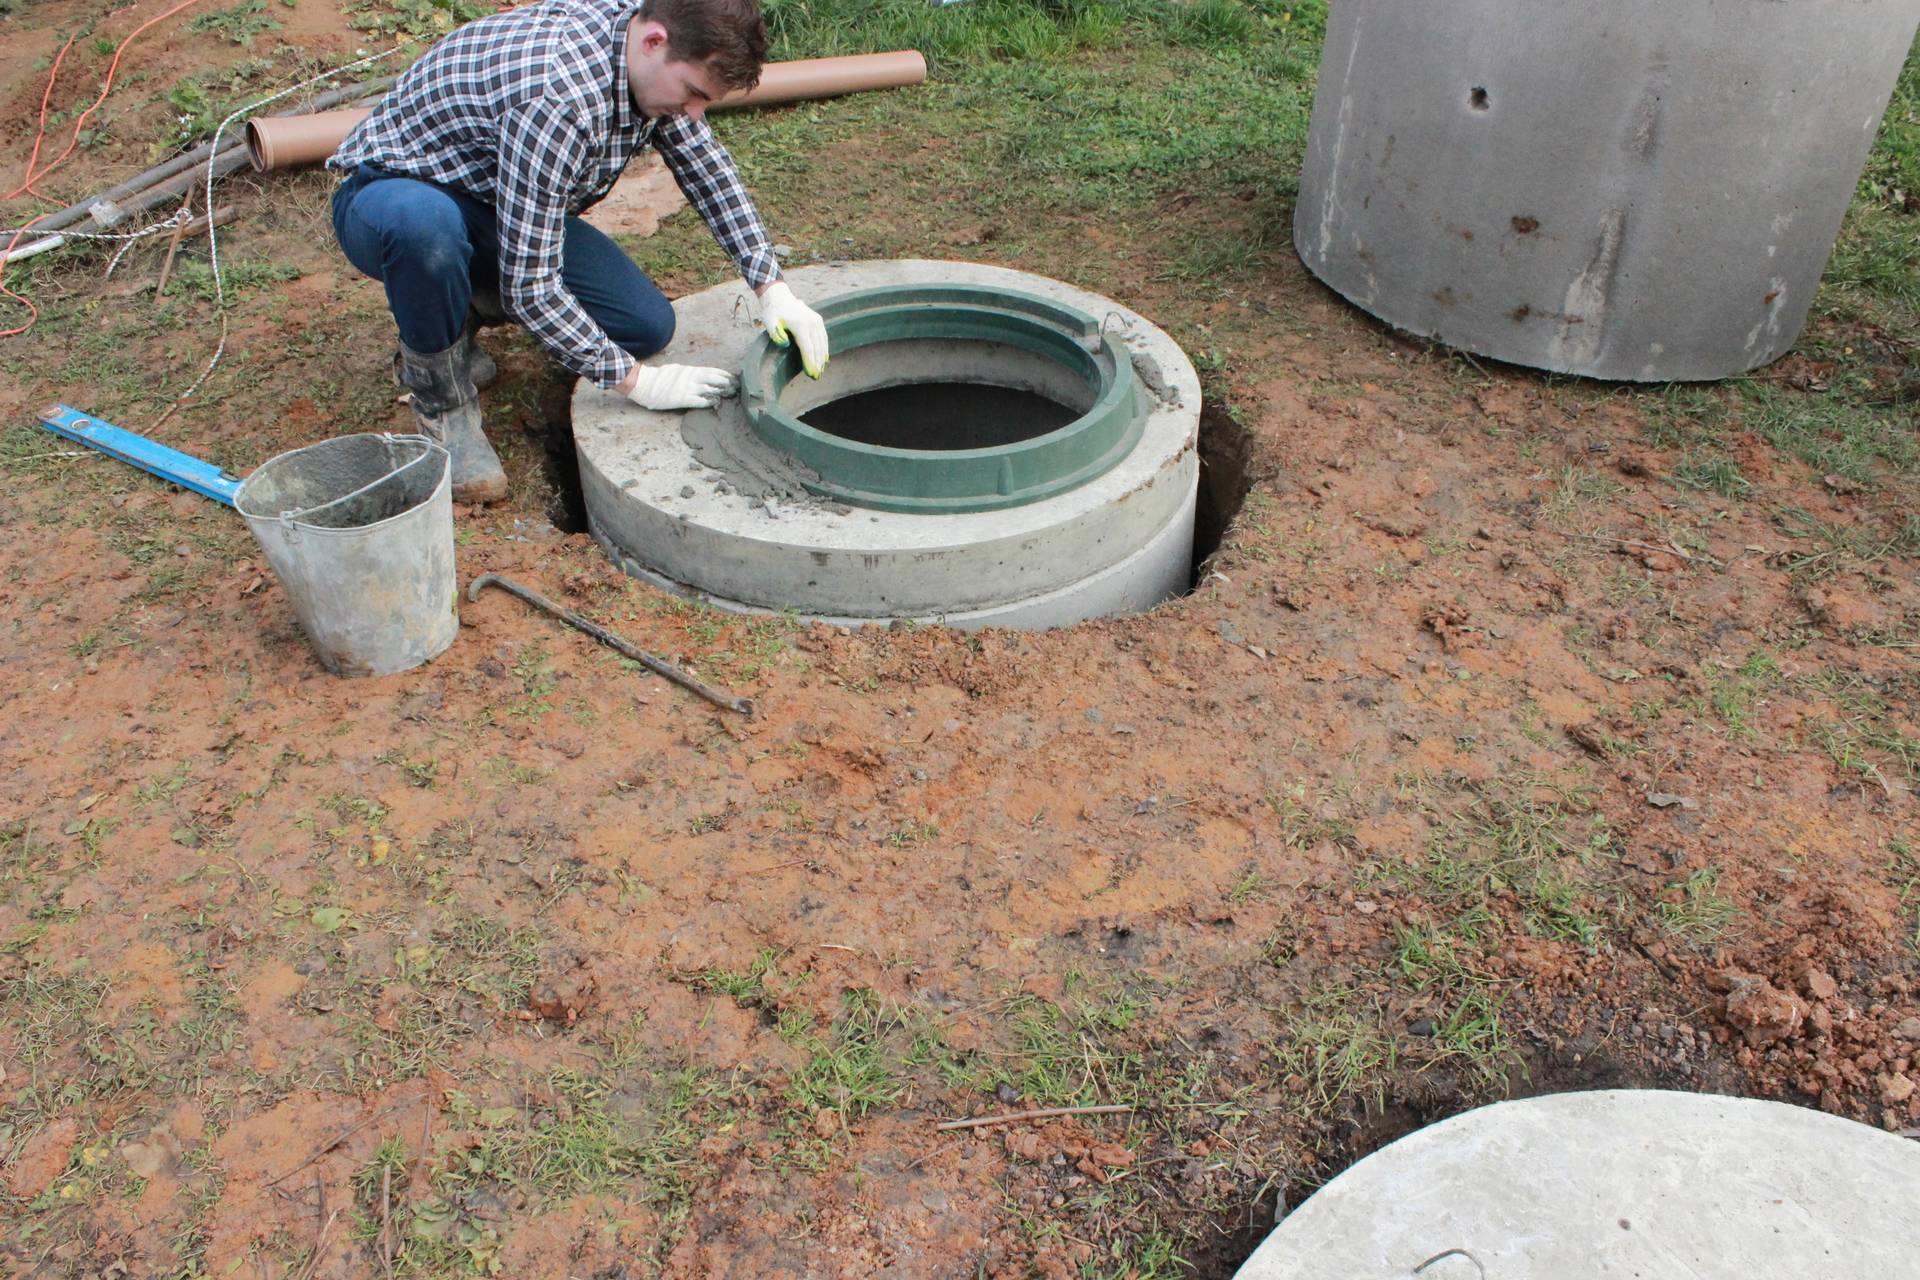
(659, 666)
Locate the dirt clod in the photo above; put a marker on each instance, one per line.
(1760, 1011)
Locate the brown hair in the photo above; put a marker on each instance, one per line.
(730, 36)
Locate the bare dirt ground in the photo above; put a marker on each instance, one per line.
(1485, 759)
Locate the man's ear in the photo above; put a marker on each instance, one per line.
(653, 38)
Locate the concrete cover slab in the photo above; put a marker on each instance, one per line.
(1626, 1184)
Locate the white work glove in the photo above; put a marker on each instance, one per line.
(790, 320)
(666, 387)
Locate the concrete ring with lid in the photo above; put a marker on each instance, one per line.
(987, 448)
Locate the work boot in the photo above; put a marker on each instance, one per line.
(480, 366)
(446, 408)
(485, 309)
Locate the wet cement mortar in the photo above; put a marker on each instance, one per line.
(1178, 860)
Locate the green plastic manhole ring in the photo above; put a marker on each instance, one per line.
(951, 481)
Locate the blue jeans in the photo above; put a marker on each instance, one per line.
(433, 245)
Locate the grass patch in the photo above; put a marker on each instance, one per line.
(851, 1069)
(1442, 961)
(1066, 1054)
(1699, 913)
(1840, 431)
(1512, 843)
(567, 1142)
(1334, 1045)
(1580, 499)
(238, 24)
(1713, 471)
(1829, 545)
(1904, 868)
(1735, 693)
(749, 990)
(195, 279)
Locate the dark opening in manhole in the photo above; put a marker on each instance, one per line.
(940, 415)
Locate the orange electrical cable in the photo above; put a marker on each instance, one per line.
(106, 87)
(39, 138)
(46, 99)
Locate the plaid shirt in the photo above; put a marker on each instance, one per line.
(530, 109)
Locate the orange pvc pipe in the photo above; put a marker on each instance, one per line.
(829, 77)
(283, 142)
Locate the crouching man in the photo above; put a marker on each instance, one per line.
(462, 194)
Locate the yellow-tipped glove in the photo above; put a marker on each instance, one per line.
(790, 320)
(665, 388)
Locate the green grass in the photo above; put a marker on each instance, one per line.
(1825, 545)
(572, 1143)
(1904, 873)
(855, 1066)
(1878, 252)
(238, 24)
(1713, 471)
(1335, 1043)
(1509, 843)
(1893, 167)
(1581, 498)
(1736, 693)
(1698, 912)
(954, 37)
(195, 279)
(1444, 962)
(1839, 431)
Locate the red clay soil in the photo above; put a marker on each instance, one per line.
(1484, 760)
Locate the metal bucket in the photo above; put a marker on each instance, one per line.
(359, 530)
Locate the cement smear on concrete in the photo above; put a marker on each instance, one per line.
(1625, 1184)
(741, 462)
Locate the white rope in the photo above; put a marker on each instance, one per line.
(213, 241)
(178, 219)
(141, 234)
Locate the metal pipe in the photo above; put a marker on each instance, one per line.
(229, 159)
(107, 201)
(658, 665)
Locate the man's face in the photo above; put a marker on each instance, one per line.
(661, 85)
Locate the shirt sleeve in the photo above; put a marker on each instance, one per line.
(707, 175)
(542, 147)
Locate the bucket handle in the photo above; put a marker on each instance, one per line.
(289, 524)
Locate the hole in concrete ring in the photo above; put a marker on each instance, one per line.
(1477, 99)
(941, 414)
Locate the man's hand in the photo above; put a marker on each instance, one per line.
(790, 320)
(667, 387)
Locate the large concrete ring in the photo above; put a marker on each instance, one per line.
(683, 500)
(1613, 1185)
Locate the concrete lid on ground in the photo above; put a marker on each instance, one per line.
(1613, 1185)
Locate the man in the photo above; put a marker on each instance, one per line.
(464, 187)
